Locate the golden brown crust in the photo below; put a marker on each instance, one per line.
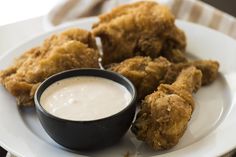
(175, 56)
(71, 49)
(143, 72)
(138, 29)
(164, 114)
(146, 73)
(209, 69)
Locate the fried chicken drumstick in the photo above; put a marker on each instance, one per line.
(74, 48)
(164, 114)
(209, 69)
(146, 73)
(140, 29)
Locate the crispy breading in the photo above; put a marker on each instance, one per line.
(143, 72)
(175, 56)
(164, 114)
(209, 69)
(138, 29)
(71, 49)
(146, 73)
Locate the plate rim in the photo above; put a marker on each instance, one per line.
(74, 23)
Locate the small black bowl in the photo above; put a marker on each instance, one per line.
(94, 134)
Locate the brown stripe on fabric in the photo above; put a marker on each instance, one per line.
(176, 6)
(95, 9)
(63, 10)
(232, 30)
(195, 12)
(215, 19)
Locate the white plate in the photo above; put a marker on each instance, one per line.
(211, 131)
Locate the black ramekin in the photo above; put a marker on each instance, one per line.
(94, 134)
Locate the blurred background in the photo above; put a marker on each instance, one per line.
(12, 11)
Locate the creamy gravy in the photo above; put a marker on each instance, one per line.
(85, 98)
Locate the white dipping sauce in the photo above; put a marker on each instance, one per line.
(85, 98)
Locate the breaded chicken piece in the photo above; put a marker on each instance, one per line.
(138, 29)
(174, 56)
(71, 34)
(71, 49)
(143, 72)
(164, 114)
(146, 73)
(209, 69)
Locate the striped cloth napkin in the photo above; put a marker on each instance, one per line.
(189, 10)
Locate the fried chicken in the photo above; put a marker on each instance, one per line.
(209, 69)
(146, 73)
(143, 72)
(138, 29)
(174, 56)
(71, 49)
(164, 114)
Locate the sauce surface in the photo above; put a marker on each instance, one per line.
(85, 98)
